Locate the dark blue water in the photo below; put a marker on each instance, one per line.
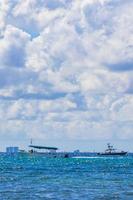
(35, 178)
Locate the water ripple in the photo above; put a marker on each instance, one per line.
(35, 177)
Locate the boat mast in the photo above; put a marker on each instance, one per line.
(31, 141)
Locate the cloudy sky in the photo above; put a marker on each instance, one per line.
(66, 73)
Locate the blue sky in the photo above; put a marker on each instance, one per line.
(66, 73)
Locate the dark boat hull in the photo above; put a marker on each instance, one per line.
(113, 154)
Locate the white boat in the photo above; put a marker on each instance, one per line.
(110, 151)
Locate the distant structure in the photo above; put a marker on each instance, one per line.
(12, 150)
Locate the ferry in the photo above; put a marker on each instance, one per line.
(110, 151)
(47, 151)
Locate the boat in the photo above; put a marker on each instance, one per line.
(110, 151)
(50, 152)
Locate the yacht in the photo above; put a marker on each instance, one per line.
(110, 151)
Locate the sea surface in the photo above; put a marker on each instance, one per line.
(30, 177)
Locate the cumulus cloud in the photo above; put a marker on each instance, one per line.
(66, 67)
(12, 47)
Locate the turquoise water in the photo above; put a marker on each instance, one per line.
(35, 178)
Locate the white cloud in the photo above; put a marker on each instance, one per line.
(122, 108)
(66, 68)
(12, 47)
(4, 10)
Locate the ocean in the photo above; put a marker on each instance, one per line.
(30, 177)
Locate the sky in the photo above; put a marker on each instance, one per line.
(66, 73)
